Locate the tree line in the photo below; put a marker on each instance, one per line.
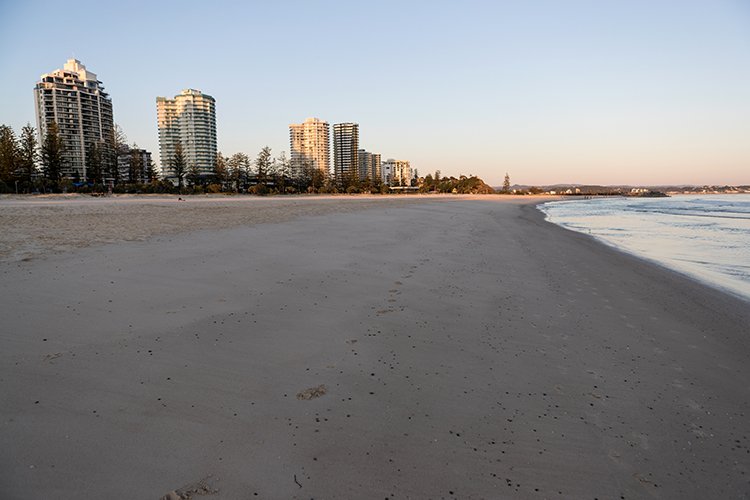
(265, 174)
(237, 173)
(18, 159)
(113, 166)
(28, 167)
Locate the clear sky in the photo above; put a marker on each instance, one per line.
(607, 92)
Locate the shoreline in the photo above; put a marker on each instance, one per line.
(730, 289)
(647, 264)
(467, 349)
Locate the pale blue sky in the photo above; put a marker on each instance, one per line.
(551, 91)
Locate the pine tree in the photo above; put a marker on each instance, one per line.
(220, 173)
(318, 179)
(28, 153)
(238, 165)
(427, 185)
(263, 165)
(52, 155)
(282, 171)
(94, 164)
(506, 183)
(152, 175)
(305, 176)
(9, 157)
(179, 165)
(377, 184)
(193, 176)
(115, 145)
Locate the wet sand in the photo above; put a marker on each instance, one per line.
(436, 348)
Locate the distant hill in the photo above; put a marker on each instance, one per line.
(626, 189)
(462, 185)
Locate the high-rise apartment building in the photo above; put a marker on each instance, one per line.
(345, 151)
(369, 165)
(375, 166)
(365, 159)
(75, 99)
(310, 145)
(396, 173)
(189, 120)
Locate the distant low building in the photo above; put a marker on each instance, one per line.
(133, 164)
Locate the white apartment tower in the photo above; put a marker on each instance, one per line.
(345, 151)
(190, 120)
(74, 99)
(396, 173)
(310, 145)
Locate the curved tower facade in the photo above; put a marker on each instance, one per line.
(190, 120)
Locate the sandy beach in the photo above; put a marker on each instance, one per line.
(47, 224)
(356, 347)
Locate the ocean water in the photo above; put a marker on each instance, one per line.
(705, 236)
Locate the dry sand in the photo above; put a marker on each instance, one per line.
(37, 226)
(405, 349)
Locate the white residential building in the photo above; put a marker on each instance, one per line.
(74, 98)
(189, 120)
(310, 147)
(396, 173)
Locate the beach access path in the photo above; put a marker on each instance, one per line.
(345, 347)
